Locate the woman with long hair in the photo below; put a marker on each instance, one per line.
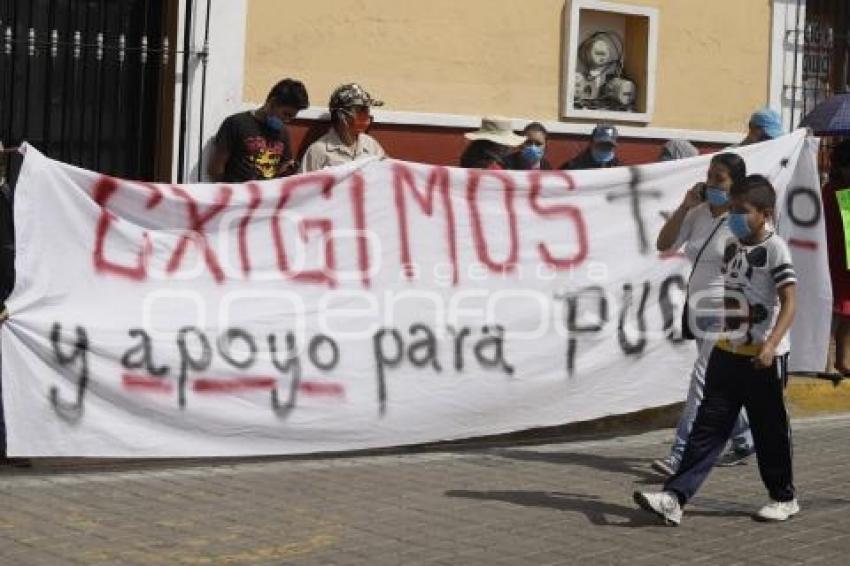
(699, 227)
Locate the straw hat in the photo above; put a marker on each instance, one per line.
(497, 130)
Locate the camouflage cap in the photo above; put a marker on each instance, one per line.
(351, 94)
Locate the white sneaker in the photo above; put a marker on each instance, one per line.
(665, 504)
(778, 511)
(665, 466)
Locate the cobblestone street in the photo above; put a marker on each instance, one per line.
(562, 503)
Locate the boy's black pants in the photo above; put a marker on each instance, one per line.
(733, 381)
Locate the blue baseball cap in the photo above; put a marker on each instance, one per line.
(769, 121)
(604, 133)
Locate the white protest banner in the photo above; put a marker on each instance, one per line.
(377, 304)
(801, 224)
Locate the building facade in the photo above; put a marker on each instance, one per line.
(441, 65)
(164, 73)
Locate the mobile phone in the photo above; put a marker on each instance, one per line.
(702, 191)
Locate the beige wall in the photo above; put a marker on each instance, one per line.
(503, 56)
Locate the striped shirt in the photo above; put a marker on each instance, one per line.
(752, 277)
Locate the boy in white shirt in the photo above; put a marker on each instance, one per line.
(748, 366)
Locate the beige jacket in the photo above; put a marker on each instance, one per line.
(329, 150)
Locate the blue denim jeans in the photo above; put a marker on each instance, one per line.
(742, 438)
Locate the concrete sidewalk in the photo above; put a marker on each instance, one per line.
(559, 503)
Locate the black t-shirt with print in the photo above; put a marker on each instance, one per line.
(256, 151)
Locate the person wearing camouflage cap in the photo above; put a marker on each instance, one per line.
(347, 139)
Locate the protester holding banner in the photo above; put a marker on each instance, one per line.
(9, 163)
(836, 206)
(700, 225)
(491, 144)
(7, 265)
(294, 333)
(764, 124)
(255, 145)
(531, 155)
(677, 149)
(600, 153)
(4, 314)
(347, 139)
(748, 365)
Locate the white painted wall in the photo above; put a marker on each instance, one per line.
(226, 70)
(786, 71)
(224, 78)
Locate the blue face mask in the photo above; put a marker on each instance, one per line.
(532, 153)
(602, 155)
(738, 225)
(274, 123)
(716, 196)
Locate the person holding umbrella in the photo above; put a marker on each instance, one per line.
(831, 117)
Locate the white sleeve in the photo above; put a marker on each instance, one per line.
(781, 265)
(685, 230)
(372, 145)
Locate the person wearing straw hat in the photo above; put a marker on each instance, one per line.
(347, 139)
(490, 145)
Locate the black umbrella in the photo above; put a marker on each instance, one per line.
(831, 117)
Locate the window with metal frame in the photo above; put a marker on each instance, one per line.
(90, 82)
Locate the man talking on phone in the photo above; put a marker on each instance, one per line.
(347, 139)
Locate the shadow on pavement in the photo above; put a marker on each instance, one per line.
(597, 511)
(637, 467)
